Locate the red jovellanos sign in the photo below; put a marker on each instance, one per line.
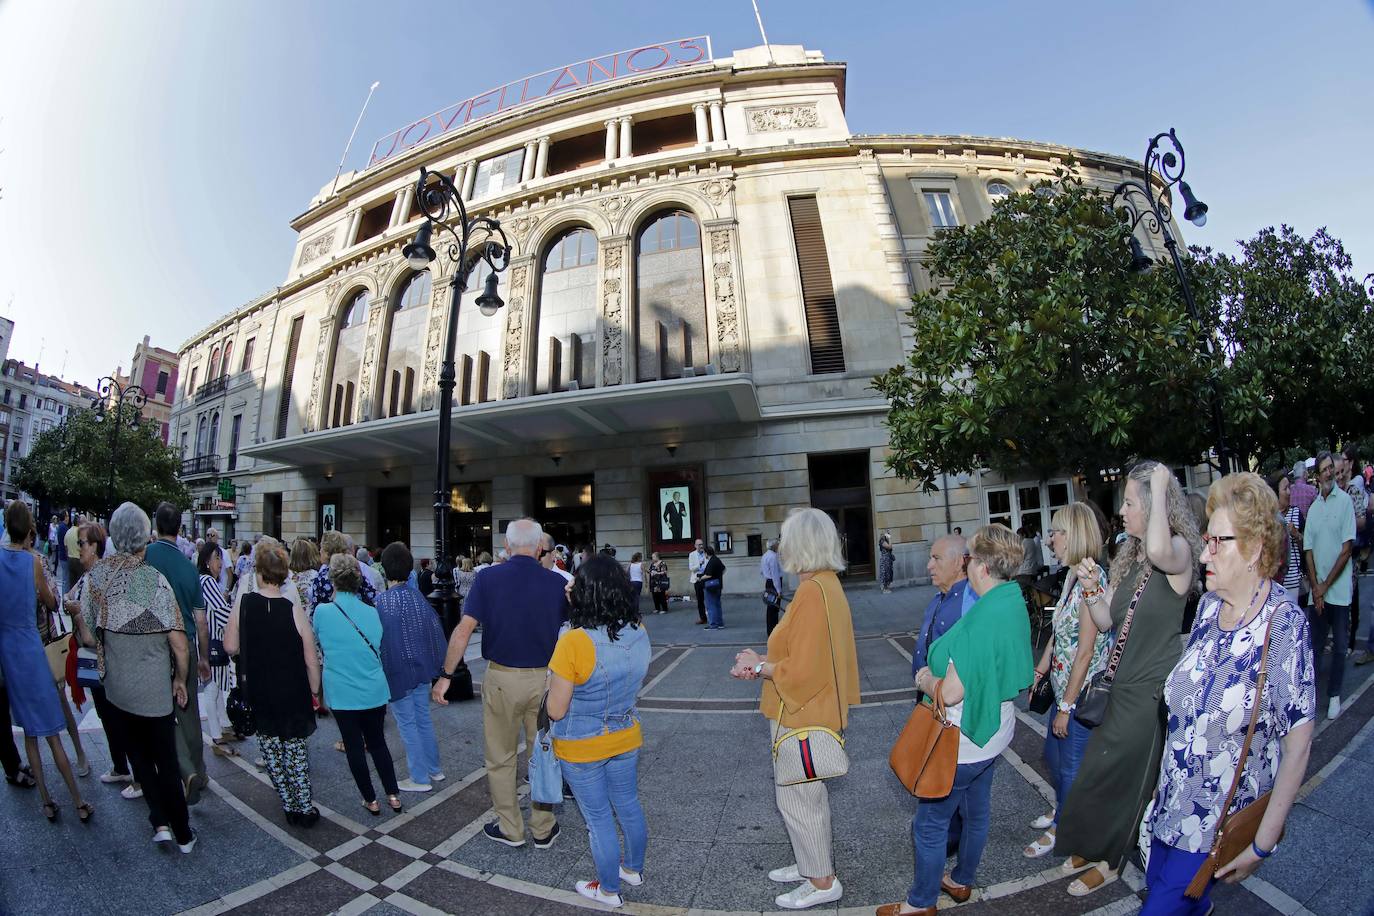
(680, 52)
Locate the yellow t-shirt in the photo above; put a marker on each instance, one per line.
(574, 659)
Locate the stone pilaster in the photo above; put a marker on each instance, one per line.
(614, 251)
(723, 294)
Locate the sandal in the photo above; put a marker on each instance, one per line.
(1041, 847)
(373, 808)
(50, 810)
(23, 778)
(1075, 864)
(224, 750)
(395, 802)
(1090, 881)
(85, 811)
(339, 746)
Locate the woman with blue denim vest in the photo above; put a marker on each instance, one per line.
(595, 674)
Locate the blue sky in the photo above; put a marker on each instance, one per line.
(151, 153)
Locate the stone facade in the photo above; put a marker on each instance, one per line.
(751, 422)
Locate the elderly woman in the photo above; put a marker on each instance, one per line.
(279, 670)
(129, 613)
(595, 674)
(1151, 576)
(222, 678)
(305, 564)
(1077, 650)
(28, 679)
(413, 647)
(333, 544)
(355, 685)
(979, 666)
(811, 677)
(1211, 695)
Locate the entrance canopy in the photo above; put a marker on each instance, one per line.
(666, 405)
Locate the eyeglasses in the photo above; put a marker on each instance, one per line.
(1212, 542)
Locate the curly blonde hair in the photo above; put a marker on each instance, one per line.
(1254, 511)
(1181, 523)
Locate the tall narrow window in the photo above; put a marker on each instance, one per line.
(405, 342)
(228, 354)
(288, 371)
(162, 382)
(202, 431)
(567, 303)
(818, 291)
(190, 388)
(247, 355)
(234, 427)
(214, 365)
(941, 208)
(670, 297)
(408, 401)
(348, 357)
(212, 444)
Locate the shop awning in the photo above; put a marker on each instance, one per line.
(671, 404)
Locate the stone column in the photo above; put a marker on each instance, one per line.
(541, 161)
(398, 209)
(527, 165)
(717, 123)
(407, 200)
(355, 216)
(703, 132)
(469, 180)
(612, 144)
(625, 137)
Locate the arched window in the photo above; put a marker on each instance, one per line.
(348, 360)
(480, 337)
(670, 297)
(405, 341)
(565, 324)
(212, 444)
(214, 365)
(998, 189)
(228, 352)
(202, 430)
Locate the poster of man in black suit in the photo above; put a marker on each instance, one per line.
(674, 514)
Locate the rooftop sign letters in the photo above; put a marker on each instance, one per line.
(666, 55)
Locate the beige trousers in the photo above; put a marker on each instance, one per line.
(510, 704)
(805, 809)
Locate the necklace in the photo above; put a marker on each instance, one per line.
(1248, 607)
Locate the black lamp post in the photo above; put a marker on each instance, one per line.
(115, 395)
(1164, 160)
(442, 205)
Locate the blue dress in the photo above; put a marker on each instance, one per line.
(33, 699)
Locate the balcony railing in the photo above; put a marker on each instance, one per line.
(213, 387)
(200, 465)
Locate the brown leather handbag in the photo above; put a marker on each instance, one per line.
(927, 751)
(1236, 832)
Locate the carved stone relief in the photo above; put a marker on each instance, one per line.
(316, 248)
(434, 343)
(515, 332)
(613, 314)
(717, 189)
(321, 357)
(369, 372)
(727, 306)
(783, 117)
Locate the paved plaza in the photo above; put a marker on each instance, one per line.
(705, 781)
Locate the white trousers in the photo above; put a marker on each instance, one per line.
(213, 706)
(805, 809)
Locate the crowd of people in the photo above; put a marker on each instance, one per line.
(1142, 726)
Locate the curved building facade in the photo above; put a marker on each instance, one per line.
(707, 270)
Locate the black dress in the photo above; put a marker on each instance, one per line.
(271, 668)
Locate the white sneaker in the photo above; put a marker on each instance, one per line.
(131, 792)
(1333, 708)
(113, 777)
(408, 785)
(592, 891)
(788, 874)
(1043, 822)
(162, 835)
(437, 777)
(187, 847)
(807, 894)
(632, 878)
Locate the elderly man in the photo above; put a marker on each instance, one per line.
(771, 571)
(695, 561)
(948, 556)
(1327, 543)
(520, 606)
(1301, 493)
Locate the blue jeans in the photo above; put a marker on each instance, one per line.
(598, 788)
(1169, 873)
(1334, 619)
(417, 733)
(971, 796)
(1062, 756)
(713, 614)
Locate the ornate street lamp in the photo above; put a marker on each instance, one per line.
(442, 205)
(1145, 206)
(114, 395)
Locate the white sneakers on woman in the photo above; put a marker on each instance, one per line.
(788, 874)
(807, 894)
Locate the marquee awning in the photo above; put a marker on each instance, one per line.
(671, 404)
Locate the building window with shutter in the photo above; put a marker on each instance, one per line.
(818, 290)
(288, 370)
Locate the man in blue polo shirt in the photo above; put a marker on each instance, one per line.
(520, 606)
(946, 567)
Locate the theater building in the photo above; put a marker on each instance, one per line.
(708, 268)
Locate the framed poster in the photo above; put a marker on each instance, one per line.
(673, 506)
(329, 512)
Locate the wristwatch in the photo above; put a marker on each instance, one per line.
(1066, 707)
(758, 669)
(450, 675)
(1260, 852)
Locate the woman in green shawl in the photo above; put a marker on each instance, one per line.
(979, 667)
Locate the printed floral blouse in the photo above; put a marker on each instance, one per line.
(1210, 694)
(1066, 616)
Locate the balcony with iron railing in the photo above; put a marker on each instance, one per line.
(213, 387)
(199, 466)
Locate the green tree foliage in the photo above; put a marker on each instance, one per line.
(70, 465)
(1039, 350)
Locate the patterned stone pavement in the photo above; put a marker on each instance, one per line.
(706, 785)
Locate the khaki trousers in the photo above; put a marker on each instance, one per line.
(510, 704)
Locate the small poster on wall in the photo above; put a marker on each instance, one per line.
(673, 509)
(329, 514)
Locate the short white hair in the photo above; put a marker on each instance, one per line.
(810, 542)
(523, 534)
(130, 528)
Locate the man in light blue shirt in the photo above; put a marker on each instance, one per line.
(947, 573)
(1328, 541)
(771, 570)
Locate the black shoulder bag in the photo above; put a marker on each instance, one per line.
(1091, 708)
